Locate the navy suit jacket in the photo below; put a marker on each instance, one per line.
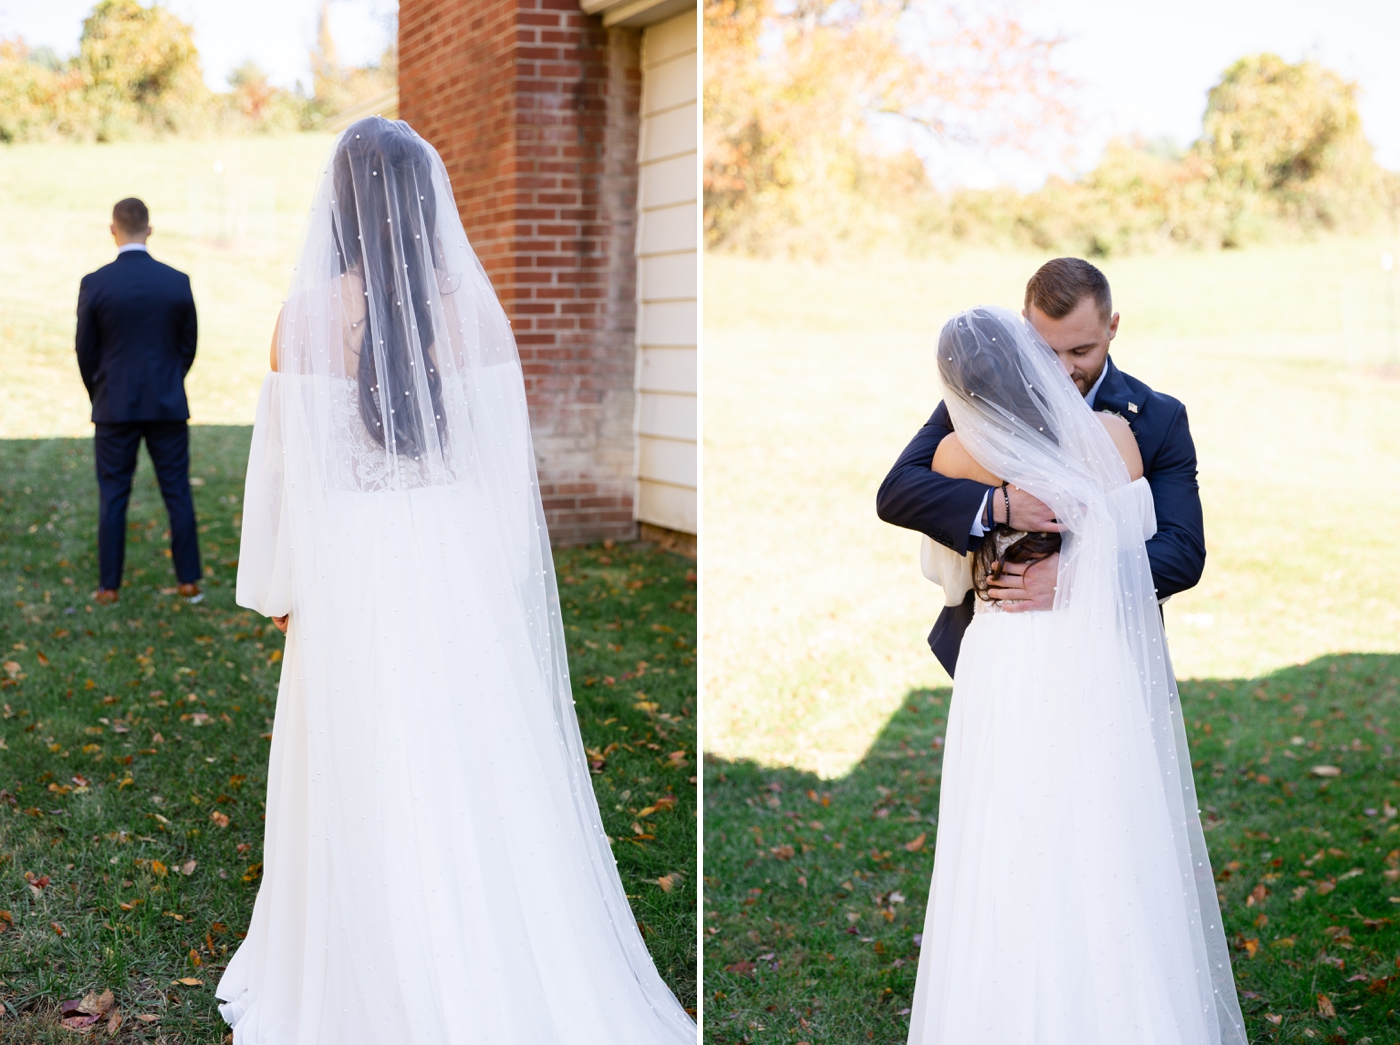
(136, 339)
(917, 498)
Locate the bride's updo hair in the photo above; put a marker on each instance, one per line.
(386, 228)
(978, 358)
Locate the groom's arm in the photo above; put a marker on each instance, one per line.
(88, 339)
(189, 330)
(917, 498)
(1178, 550)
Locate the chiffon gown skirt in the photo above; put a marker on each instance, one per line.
(428, 872)
(1056, 914)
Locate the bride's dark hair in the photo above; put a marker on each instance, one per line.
(979, 359)
(385, 224)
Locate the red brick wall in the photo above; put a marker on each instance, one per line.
(534, 109)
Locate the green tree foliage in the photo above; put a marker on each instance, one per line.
(137, 73)
(1282, 152)
(140, 69)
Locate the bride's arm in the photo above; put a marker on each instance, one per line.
(953, 460)
(276, 335)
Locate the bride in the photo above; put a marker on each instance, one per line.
(435, 868)
(1072, 900)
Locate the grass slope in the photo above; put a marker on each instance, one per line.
(815, 889)
(131, 733)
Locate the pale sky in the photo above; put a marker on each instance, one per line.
(277, 34)
(1147, 66)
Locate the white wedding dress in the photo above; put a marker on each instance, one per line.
(1071, 901)
(435, 870)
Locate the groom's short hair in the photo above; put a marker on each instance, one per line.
(1060, 285)
(131, 216)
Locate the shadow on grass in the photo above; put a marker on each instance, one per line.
(815, 889)
(133, 750)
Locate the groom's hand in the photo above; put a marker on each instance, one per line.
(1022, 587)
(1028, 513)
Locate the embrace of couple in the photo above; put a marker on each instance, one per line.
(1072, 900)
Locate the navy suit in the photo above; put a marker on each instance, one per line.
(917, 498)
(136, 341)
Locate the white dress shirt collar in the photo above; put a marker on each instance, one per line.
(132, 246)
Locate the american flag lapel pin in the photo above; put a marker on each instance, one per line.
(1132, 408)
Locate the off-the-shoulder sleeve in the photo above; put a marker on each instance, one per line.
(264, 557)
(946, 568)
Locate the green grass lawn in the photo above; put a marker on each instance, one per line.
(133, 745)
(818, 678)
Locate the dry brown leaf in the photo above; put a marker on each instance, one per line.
(1325, 1008)
(667, 883)
(114, 1023)
(917, 843)
(157, 868)
(1326, 771)
(146, 1017)
(190, 981)
(187, 868)
(1251, 947)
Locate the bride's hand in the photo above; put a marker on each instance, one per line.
(1024, 587)
(280, 623)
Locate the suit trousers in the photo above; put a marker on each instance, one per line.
(116, 448)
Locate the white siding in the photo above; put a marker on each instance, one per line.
(667, 321)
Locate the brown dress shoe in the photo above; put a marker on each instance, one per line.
(190, 592)
(105, 596)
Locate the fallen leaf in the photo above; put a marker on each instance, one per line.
(1256, 895)
(6, 920)
(95, 1004)
(43, 659)
(58, 928)
(917, 843)
(114, 1022)
(783, 852)
(187, 868)
(1251, 947)
(667, 883)
(146, 1017)
(1275, 1020)
(1323, 888)
(157, 868)
(77, 1022)
(252, 873)
(11, 668)
(1326, 771)
(1325, 1008)
(190, 981)
(741, 968)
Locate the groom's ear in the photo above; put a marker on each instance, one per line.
(1113, 327)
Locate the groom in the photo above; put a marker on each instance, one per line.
(136, 340)
(1069, 304)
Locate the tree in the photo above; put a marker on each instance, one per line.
(1285, 141)
(140, 68)
(794, 96)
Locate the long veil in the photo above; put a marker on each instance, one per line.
(1021, 418)
(396, 443)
